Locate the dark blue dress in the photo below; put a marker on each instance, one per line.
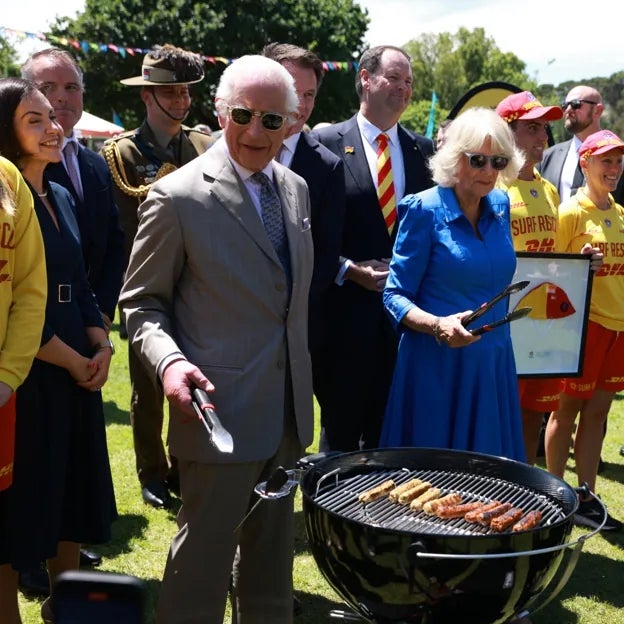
(62, 488)
(467, 398)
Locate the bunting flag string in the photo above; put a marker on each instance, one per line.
(124, 51)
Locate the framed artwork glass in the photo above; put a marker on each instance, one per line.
(550, 340)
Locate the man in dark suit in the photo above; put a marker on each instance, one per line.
(59, 77)
(85, 174)
(216, 292)
(362, 343)
(324, 174)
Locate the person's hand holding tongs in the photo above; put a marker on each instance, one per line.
(510, 316)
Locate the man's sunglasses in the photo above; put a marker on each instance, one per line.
(478, 161)
(576, 104)
(243, 116)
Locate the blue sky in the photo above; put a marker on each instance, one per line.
(558, 41)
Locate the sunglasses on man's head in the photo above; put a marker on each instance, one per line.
(243, 116)
(478, 161)
(576, 104)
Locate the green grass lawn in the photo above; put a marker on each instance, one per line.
(141, 535)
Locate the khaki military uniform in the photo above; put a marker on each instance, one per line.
(136, 160)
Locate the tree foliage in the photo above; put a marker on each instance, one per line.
(8, 59)
(334, 29)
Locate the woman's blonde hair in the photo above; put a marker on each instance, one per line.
(468, 133)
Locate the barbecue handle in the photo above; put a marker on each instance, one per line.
(206, 407)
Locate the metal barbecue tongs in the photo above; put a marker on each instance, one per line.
(482, 309)
(205, 410)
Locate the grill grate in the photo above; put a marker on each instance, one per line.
(339, 495)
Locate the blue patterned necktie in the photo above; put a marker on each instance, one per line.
(273, 218)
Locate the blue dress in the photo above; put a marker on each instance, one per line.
(62, 487)
(466, 398)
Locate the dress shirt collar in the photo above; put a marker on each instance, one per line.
(72, 139)
(370, 132)
(287, 152)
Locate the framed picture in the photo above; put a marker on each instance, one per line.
(550, 340)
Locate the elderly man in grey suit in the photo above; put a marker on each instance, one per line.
(216, 296)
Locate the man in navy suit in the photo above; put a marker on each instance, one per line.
(59, 77)
(362, 344)
(323, 172)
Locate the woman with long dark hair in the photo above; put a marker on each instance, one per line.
(62, 493)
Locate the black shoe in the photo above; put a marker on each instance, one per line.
(622, 451)
(590, 515)
(89, 559)
(156, 494)
(34, 582)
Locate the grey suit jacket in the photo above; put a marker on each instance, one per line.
(204, 280)
(552, 163)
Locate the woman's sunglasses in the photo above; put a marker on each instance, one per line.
(243, 116)
(478, 161)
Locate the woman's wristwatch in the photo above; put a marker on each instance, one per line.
(105, 344)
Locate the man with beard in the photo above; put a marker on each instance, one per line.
(136, 159)
(382, 163)
(582, 110)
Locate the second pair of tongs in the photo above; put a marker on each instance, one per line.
(482, 309)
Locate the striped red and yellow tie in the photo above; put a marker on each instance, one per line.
(385, 183)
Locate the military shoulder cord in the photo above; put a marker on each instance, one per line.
(115, 164)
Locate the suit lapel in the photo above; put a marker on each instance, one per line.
(228, 189)
(354, 157)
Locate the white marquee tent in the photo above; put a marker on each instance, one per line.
(91, 127)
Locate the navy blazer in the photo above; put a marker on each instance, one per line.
(324, 175)
(98, 220)
(365, 232)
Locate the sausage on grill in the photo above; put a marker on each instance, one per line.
(409, 495)
(430, 508)
(429, 495)
(529, 521)
(473, 516)
(456, 511)
(486, 517)
(504, 521)
(408, 485)
(377, 492)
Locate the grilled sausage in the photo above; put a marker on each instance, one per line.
(504, 521)
(429, 495)
(486, 517)
(394, 494)
(377, 492)
(530, 520)
(454, 498)
(456, 511)
(412, 493)
(472, 516)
